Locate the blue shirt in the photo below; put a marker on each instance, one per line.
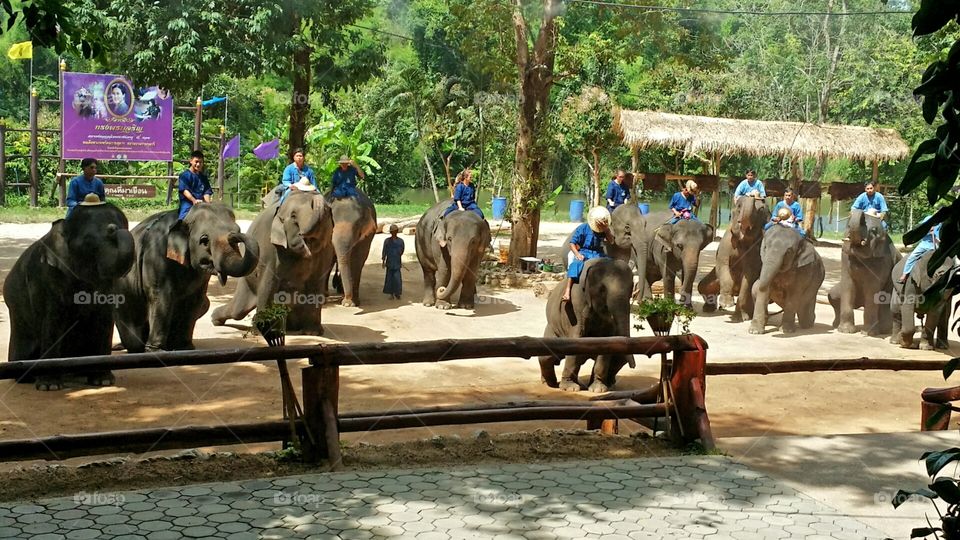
(928, 242)
(467, 195)
(291, 175)
(198, 186)
(344, 182)
(393, 252)
(585, 238)
(877, 202)
(681, 203)
(80, 187)
(616, 193)
(794, 207)
(746, 187)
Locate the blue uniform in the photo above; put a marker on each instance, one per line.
(797, 214)
(616, 193)
(683, 204)
(926, 244)
(467, 195)
(746, 187)
(589, 243)
(80, 187)
(291, 175)
(877, 202)
(198, 186)
(392, 256)
(344, 182)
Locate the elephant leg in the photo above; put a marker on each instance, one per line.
(570, 379)
(908, 320)
(884, 314)
(847, 325)
(159, 315)
(131, 321)
(709, 288)
(807, 314)
(871, 314)
(761, 298)
(605, 369)
(943, 326)
(726, 281)
(242, 303)
(744, 307)
(468, 288)
(928, 330)
(833, 296)
(669, 284)
(896, 319)
(789, 321)
(429, 287)
(358, 257)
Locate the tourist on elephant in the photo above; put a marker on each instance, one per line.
(872, 202)
(84, 184)
(344, 179)
(587, 243)
(683, 202)
(294, 173)
(465, 195)
(616, 193)
(749, 186)
(795, 215)
(391, 259)
(927, 243)
(193, 186)
(786, 218)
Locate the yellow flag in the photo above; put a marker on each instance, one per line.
(21, 51)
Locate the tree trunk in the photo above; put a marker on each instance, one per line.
(300, 99)
(433, 179)
(597, 198)
(536, 78)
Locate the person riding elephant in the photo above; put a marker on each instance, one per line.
(791, 274)
(866, 260)
(599, 306)
(675, 249)
(60, 292)
(587, 242)
(354, 226)
(450, 250)
(294, 241)
(908, 301)
(464, 195)
(628, 226)
(166, 291)
(738, 260)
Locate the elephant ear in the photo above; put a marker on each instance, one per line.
(807, 255)
(278, 235)
(708, 234)
(56, 253)
(178, 243)
(440, 233)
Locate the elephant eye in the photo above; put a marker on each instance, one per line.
(204, 240)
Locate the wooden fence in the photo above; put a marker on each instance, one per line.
(681, 399)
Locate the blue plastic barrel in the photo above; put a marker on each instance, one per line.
(644, 208)
(499, 207)
(576, 210)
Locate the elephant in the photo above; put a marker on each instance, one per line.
(906, 300)
(60, 292)
(791, 275)
(354, 226)
(676, 249)
(866, 261)
(294, 241)
(599, 306)
(630, 243)
(452, 247)
(166, 291)
(738, 260)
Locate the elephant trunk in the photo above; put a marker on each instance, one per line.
(231, 263)
(457, 271)
(690, 264)
(640, 261)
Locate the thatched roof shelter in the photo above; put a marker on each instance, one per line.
(727, 136)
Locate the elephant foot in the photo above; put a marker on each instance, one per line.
(925, 345)
(942, 344)
(709, 308)
(736, 317)
(465, 306)
(906, 342)
(549, 380)
(597, 387)
(726, 300)
(570, 386)
(101, 378)
(218, 320)
(847, 328)
(429, 303)
(443, 305)
(49, 384)
(756, 329)
(789, 328)
(895, 339)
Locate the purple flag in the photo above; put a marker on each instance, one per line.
(232, 148)
(268, 149)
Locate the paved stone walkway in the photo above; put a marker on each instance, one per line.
(689, 497)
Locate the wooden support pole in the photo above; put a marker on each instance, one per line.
(61, 163)
(876, 170)
(687, 365)
(197, 124)
(700, 414)
(34, 153)
(170, 182)
(220, 175)
(321, 392)
(3, 164)
(844, 364)
(927, 411)
(637, 183)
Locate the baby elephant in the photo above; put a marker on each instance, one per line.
(599, 306)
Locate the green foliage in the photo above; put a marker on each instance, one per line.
(667, 308)
(331, 138)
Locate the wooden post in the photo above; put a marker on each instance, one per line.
(876, 170)
(62, 164)
(321, 390)
(223, 136)
(687, 365)
(34, 154)
(197, 121)
(927, 410)
(634, 162)
(170, 181)
(715, 196)
(3, 164)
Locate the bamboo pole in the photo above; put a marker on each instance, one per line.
(61, 163)
(34, 171)
(3, 164)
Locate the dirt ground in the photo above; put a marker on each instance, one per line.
(820, 403)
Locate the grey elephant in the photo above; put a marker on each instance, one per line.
(791, 275)
(166, 291)
(630, 243)
(60, 292)
(450, 250)
(354, 226)
(675, 249)
(599, 306)
(908, 297)
(294, 241)
(866, 260)
(738, 260)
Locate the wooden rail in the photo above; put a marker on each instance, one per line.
(323, 424)
(843, 364)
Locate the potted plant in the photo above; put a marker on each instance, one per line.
(271, 322)
(660, 313)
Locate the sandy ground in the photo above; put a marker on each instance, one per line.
(823, 403)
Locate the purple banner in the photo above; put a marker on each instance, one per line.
(105, 117)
